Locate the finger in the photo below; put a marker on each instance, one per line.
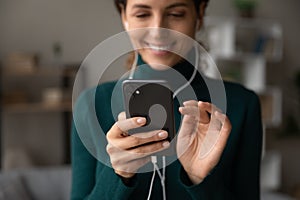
(129, 168)
(225, 129)
(186, 134)
(199, 112)
(226, 125)
(149, 149)
(131, 123)
(216, 124)
(217, 121)
(189, 125)
(122, 126)
(203, 108)
(205, 105)
(121, 116)
(189, 110)
(209, 107)
(139, 139)
(216, 137)
(190, 103)
(119, 157)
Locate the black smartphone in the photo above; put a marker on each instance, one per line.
(152, 99)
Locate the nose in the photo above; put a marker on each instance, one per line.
(158, 27)
(158, 21)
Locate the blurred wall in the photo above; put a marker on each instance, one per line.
(281, 74)
(35, 25)
(32, 25)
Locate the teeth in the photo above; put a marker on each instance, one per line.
(159, 48)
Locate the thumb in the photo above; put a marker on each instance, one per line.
(121, 116)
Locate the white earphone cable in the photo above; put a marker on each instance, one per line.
(162, 176)
(193, 75)
(134, 64)
(154, 158)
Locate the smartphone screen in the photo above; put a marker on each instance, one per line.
(153, 100)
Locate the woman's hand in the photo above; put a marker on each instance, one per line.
(201, 139)
(128, 153)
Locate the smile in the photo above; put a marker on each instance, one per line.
(159, 47)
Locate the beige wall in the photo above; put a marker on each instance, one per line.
(34, 25)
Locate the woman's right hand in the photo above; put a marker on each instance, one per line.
(128, 153)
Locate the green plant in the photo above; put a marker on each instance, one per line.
(245, 5)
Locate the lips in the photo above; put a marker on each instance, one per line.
(159, 47)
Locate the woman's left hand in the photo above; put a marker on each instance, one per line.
(203, 128)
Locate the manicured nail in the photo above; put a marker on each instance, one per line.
(218, 113)
(163, 134)
(166, 144)
(141, 120)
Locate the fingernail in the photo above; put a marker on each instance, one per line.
(162, 134)
(166, 144)
(217, 113)
(141, 120)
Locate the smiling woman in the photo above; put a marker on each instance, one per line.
(183, 16)
(229, 169)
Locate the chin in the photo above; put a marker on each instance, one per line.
(159, 66)
(161, 62)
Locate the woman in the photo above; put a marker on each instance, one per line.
(231, 168)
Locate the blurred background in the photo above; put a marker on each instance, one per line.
(42, 44)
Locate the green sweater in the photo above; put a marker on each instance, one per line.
(235, 177)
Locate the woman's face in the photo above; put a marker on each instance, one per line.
(155, 44)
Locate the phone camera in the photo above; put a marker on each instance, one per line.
(137, 92)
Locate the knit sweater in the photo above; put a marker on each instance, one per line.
(236, 176)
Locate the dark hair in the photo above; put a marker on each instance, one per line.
(120, 3)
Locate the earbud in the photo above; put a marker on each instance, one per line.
(126, 26)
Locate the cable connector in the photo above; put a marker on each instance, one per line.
(154, 159)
